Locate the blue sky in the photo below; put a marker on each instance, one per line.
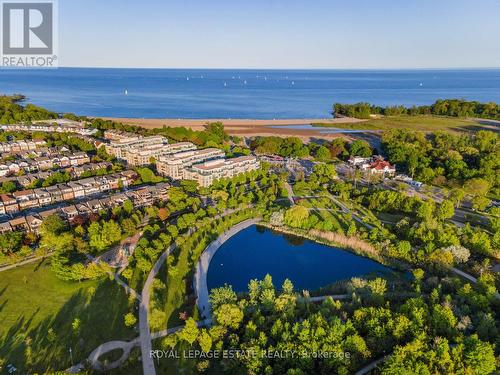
(279, 34)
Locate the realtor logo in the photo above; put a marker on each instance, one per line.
(28, 33)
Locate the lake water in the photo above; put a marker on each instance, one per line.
(261, 94)
(256, 251)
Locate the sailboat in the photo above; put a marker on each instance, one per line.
(126, 92)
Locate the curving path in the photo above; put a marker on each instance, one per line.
(148, 365)
(200, 277)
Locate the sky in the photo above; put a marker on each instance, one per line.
(295, 34)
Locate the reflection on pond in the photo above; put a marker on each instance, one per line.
(256, 251)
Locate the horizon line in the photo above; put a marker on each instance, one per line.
(277, 68)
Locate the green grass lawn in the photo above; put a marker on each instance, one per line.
(418, 123)
(33, 301)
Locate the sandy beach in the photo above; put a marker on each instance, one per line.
(245, 127)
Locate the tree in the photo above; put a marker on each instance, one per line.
(443, 321)
(296, 216)
(322, 153)
(163, 214)
(53, 224)
(189, 332)
(456, 196)
(460, 253)
(100, 237)
(221, 296)
(445, 210)
(480, 203)
(75, 325)
(479, 355)
(287, 287)
(477, 187)
(205, 340)
(426, 211)
(360, 148)
(130, 319)
(229, 315)
(10, 242)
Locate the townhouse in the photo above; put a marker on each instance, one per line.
(26, 199)
(21, 146)
(52, 126)
(45, 162)
(140, 197)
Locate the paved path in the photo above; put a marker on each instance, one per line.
(370, 366)
(23, 262)
(116, 276)
(148, 366)
(470, 278)
(200, 277)
(289, 189)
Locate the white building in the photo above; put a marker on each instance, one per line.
(175, 165)
(208, 172)
(144, 156)
(120, 147)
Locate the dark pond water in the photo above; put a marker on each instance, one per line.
(256, 251)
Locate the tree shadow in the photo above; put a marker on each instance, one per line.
(39, 264)
(44, 346)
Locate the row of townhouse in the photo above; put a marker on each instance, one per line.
(75, 172)
(140, 197)
(176, 165)
(51, 126)
(144, 156)
(42, 151)
(21, 145)
(120, 147)
(208, 172)
(43, 163)
(35, 198)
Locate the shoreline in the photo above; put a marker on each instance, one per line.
(250, 127)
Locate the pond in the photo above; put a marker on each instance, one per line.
(257, 251)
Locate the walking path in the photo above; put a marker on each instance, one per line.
(148, 365)
(200, 277)
(289, 189)
(23, 262)
(370, 366)
(470, 278)
(116, 276)
(145, 333)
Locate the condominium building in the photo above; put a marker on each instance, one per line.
(175, 165)
(144, 156)
(121, 146)
(206, 173)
